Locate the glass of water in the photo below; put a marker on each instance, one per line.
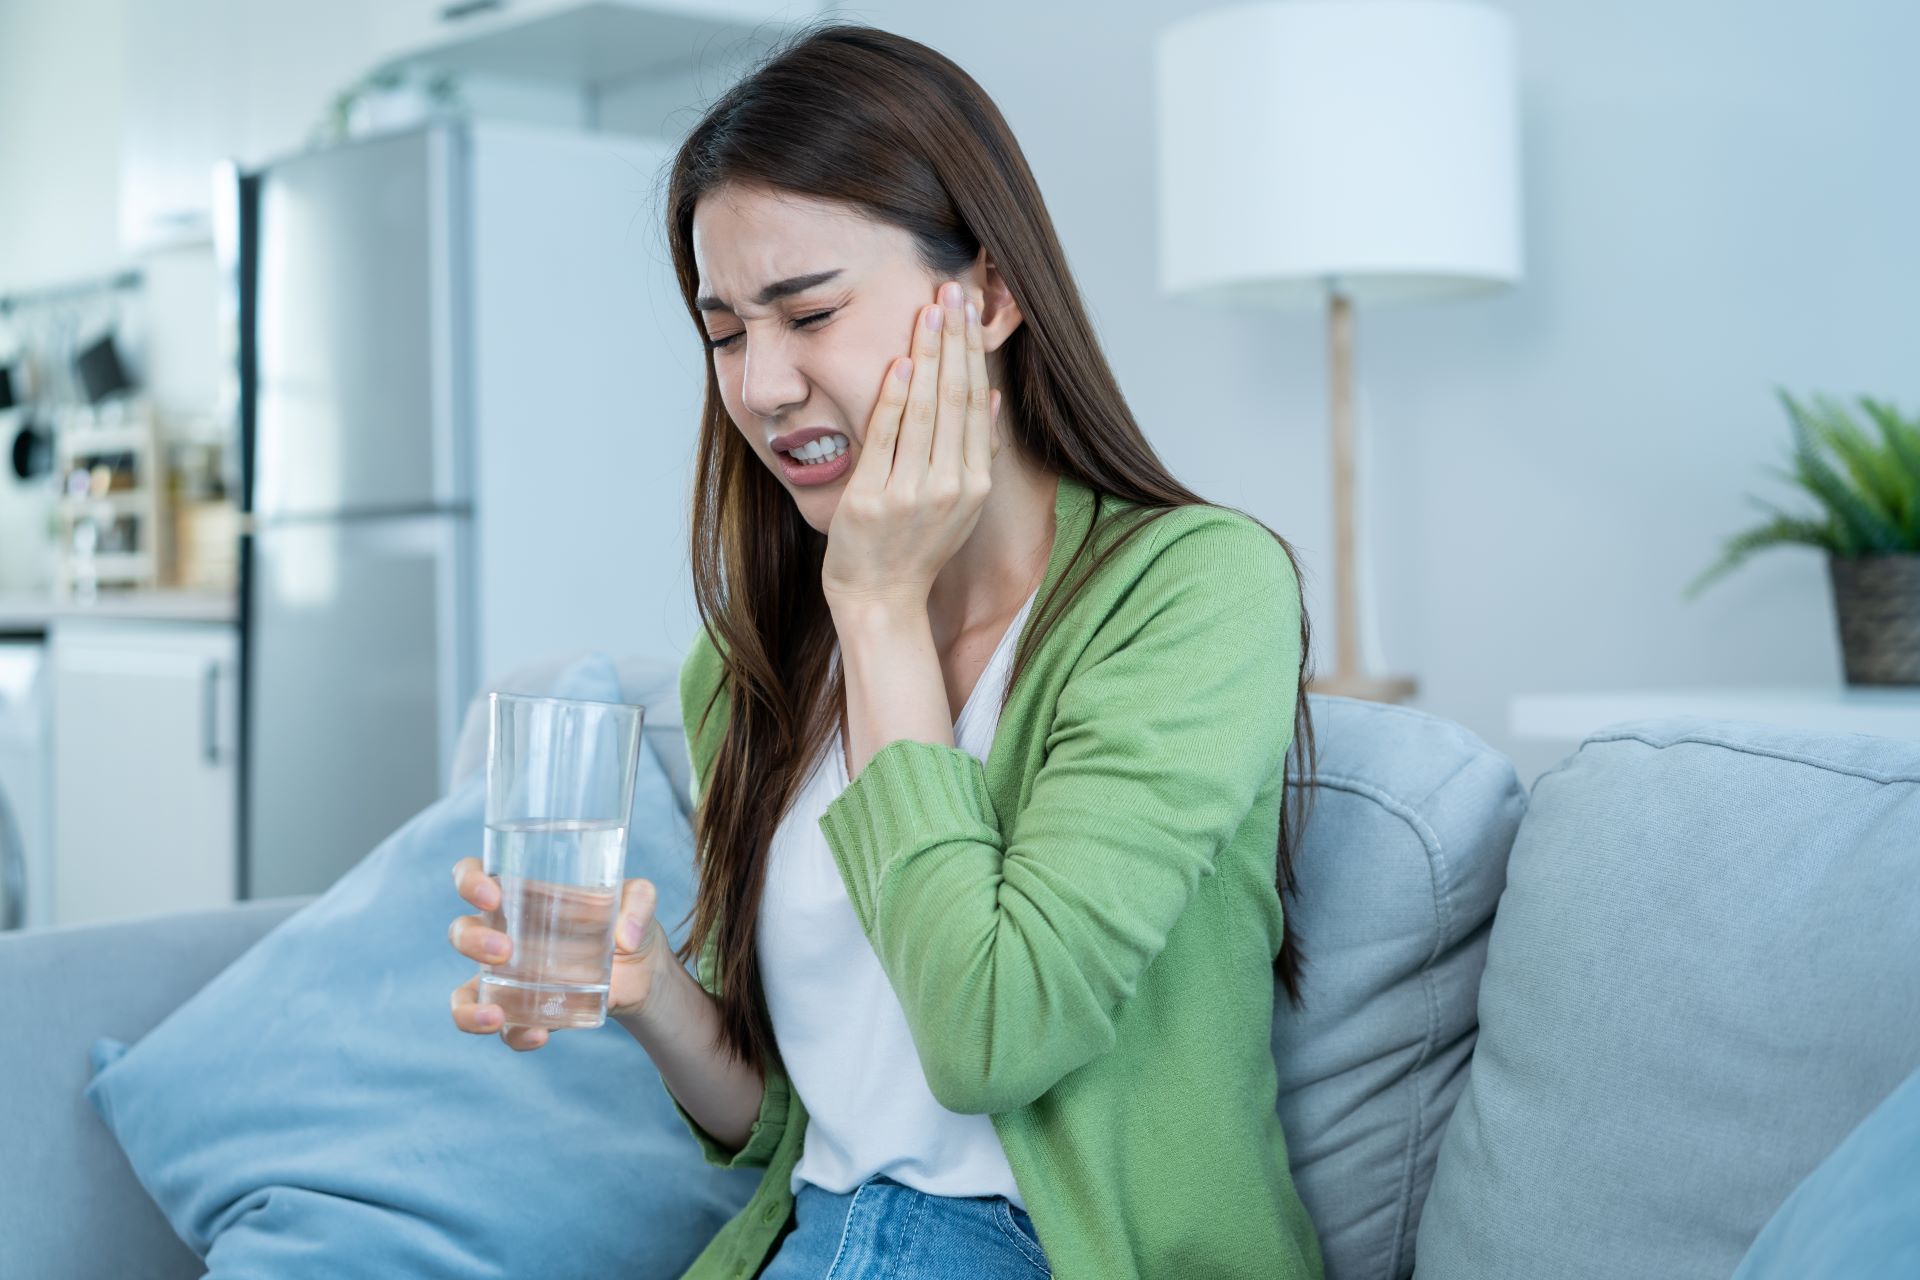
(560, 775)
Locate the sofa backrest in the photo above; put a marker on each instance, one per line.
(1703, 975)
(1399, 869)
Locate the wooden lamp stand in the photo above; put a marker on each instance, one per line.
(1348, 679)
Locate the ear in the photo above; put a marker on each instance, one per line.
(999, 313)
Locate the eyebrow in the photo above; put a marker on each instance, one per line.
(772, 293)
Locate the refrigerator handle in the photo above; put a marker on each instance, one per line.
(209, 713)
(13, 871)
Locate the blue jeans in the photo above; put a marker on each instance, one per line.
(884, 1228)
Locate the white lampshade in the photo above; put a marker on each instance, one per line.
(1375, 142)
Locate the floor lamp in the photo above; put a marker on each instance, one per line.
(1334, 152)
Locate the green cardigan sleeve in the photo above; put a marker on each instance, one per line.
(700, 677)
(1013, 943)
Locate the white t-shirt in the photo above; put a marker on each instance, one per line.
(842, 1035)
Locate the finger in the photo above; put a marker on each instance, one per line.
(471, 1016)
(979, 451)
(950, 421)
(998, 442)
(473, 939)
(636, 912)
(875, 463)
(475, 885)
(915, 450)
(524, 1038)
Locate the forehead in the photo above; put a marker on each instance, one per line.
(746, 239)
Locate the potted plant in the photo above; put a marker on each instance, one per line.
(1869, 525)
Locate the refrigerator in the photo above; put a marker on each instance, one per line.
(459, 383)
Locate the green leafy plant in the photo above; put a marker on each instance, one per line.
(1868, 489)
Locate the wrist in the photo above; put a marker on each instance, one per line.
(876, 613)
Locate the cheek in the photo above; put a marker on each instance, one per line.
(845, 373)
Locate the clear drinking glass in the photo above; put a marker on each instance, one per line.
(560, 774)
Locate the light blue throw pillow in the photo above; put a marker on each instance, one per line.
(313, 1111)
(1857, 1216)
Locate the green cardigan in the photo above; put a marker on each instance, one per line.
(1082, 931)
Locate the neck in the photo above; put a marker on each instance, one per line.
(1005, 557)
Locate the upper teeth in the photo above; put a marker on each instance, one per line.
(824, 447)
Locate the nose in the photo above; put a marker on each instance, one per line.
(770, 382)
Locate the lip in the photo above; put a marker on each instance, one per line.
(806, 476)
(793, 440)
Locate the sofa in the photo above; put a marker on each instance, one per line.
(1601, 1026)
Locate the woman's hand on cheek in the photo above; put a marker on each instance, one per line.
(917, 489)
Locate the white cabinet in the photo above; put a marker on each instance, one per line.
(251, 80)
(407, 26)
(145, 728)
(593, 45)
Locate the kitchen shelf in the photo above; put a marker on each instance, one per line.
(587, 44)
(113, 438)
(123, 565)
(130, 501)
(145, 504)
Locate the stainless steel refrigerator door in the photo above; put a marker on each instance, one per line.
(357, 402)
(358, 675)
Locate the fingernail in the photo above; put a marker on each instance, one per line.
(933, 318)
(950, 293)
(902, 370)
(629, 933)
(496, 951)
(487, 1017)
(972, 314)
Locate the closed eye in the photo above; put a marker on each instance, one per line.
(714, 344)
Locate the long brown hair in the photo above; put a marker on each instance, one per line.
(851, 113)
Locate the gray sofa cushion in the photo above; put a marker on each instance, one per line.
(1702, 976)
(1399, 869)
(70, 1206)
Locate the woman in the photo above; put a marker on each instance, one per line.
(988, 727)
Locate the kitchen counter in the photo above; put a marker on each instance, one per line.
(29, 611)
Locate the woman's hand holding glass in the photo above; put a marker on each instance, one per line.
(640, 949)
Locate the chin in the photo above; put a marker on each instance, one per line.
(816, 509)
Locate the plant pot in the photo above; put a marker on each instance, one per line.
(1877, 599)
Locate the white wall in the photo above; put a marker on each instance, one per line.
(584, 512)
(60, 74)
(1719, 197)
(61, 68)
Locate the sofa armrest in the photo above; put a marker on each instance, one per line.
(70, 1205)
